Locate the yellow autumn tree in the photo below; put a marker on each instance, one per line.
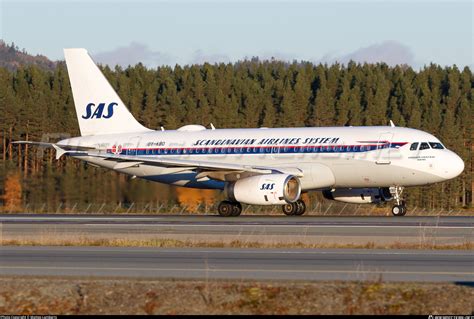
(191, 198)
(13, 191)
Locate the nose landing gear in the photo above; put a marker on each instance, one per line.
(400, 208)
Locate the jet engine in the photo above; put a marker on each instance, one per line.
(269, 189)
(359, 195)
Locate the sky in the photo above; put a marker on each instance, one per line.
(416, 32)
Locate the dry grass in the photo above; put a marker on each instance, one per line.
(174, 243)
(54, 296)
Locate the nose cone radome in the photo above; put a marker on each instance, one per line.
(453, 166)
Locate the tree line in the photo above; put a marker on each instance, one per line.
(36, 104)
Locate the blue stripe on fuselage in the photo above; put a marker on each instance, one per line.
(256, 150)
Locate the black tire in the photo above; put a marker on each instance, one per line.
(289, 209)
(236, 209)
(301, 207)
(399, 210)
(404, 210)
(225, 208)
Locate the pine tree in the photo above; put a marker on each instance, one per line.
(251, 93)
(342, 103)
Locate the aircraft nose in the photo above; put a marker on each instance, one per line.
(453, 166)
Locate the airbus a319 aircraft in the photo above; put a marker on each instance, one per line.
(259, 166)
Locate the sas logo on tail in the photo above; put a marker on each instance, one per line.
(97, 112)
(267, 186)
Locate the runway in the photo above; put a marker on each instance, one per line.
(261, 264)
(455, 221)
(314, 229)
(273, 264)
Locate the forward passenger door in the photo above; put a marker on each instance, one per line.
(382, 153)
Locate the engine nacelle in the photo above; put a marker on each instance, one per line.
(359, 195)
(270, 189)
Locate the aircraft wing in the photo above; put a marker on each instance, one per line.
(209, 169)
(215, 170)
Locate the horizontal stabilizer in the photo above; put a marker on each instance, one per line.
(66, 147)
(43, 144)
(60, 149)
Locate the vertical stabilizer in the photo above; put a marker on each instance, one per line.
(98, 107)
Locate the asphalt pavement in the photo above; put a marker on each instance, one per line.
(445, 230)
(261, 264)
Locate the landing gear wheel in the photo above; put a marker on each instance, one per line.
(236, 209)
(301, 207)
(225, 208)
(404, 209)
(399, 210)
(289, 209)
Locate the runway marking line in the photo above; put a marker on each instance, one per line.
(248, 270)
(285, 226)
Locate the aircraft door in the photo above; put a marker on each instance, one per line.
(382, 153)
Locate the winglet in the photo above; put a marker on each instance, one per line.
(391, 123)
(212, 126)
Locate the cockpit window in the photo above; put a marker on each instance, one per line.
(414, 146)
(424, 146)
(436, 146)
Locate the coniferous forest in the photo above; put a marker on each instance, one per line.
(36, 104)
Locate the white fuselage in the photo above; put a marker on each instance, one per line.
(327, 157)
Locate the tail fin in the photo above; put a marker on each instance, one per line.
(98, 107)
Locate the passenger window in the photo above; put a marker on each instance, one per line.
(436, 146)
(424, 146)
(414, 146)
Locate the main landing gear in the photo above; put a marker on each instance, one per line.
(294, 209)
(229, 209)
(400, 208)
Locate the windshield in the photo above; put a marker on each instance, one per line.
(424, 146)
(436, 146)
